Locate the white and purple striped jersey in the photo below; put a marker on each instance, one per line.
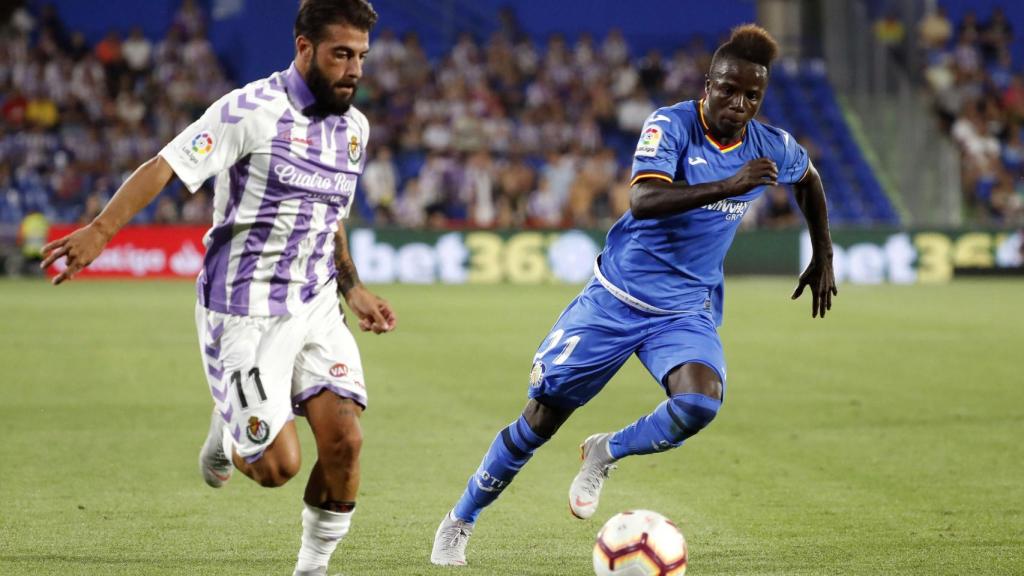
(284, 181)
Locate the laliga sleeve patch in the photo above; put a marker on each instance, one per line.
(650, 139)
(198, 148)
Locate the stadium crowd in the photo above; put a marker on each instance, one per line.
(78, 118)
(979, 96)
(503, 133)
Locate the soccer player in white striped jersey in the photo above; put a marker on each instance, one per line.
(286, 152)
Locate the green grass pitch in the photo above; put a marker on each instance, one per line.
(887, 439)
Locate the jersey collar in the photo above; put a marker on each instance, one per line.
(707, 132)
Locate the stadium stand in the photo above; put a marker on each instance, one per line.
(499, 133)
(979, 97)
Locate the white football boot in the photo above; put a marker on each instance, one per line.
(450, 542)
(585, 491)
(214, 464)
(321, 571)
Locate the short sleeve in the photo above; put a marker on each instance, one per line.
(209, 146)
(791, 160)
(662, 142)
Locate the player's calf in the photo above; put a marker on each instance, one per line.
(668, 426)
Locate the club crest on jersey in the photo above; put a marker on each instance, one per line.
(257, 430)
(537, 374)
(650, 139)
(355, 150)
(339, 370)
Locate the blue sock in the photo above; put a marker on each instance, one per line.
(671, 423)
(510, 451)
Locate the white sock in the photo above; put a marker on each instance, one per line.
(321, 532)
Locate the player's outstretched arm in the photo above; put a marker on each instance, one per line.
(819, 275)
(655, 198)
(82, 246)
(374, 312)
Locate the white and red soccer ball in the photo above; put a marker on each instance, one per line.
(639, 543)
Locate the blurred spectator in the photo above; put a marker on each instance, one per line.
(166, 210)
(776, 210)
(189, 18)
(544, 208)
(137, 51)
(633, 111)
(516, 180)
(935, 30)
(979, 95)
(198, 208)
(652, 71)
(410, 210)
(380, 180)
(996, 34)
(614, 49)
(589, 196)
(889, 30)
(32, 236)
(478, 189)
(619, 199)
(93, 206)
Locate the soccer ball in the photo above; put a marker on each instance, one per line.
(639, 543)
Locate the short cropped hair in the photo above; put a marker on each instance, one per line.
(316, 15)
(749, 42)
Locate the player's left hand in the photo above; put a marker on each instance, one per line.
(821, 278)
(375, 314)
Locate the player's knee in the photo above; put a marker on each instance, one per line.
(691, 413)
(695, 378)
(342, 448)
(543, 419)
(274, 472)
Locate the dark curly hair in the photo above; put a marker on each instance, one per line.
(749, 42)
(315, 15)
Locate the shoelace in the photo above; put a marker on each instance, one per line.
(594, 480)
(456, 535)
(220, 459)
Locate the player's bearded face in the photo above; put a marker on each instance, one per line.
(333, 96)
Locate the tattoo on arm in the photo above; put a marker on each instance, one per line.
(348, 278)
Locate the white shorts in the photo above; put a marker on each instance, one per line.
(262, 369)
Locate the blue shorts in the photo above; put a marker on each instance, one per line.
(597, 333)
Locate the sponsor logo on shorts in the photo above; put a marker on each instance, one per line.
(339, 370)
(257, 430)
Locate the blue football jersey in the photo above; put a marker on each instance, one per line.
(675, 263)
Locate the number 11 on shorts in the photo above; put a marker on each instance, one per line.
(253, 380)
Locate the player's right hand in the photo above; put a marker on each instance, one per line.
(757, 172)
(79, 249)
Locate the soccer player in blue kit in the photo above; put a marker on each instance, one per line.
(657, 290)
